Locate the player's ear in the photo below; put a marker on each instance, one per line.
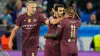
(26, 9)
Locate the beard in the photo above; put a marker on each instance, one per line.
(60, 15)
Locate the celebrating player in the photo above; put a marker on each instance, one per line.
(52, 46)
(30, 22)
(67, 32)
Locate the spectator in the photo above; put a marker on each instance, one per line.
(40, 10)
(18, 10)
(85, 15)
(93, 19)
(6, 18)
(5, 39)
(11, 5)
(98, 16)
(44, 4)
(50, 6)
(95, 44)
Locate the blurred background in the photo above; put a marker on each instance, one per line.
(88, 34)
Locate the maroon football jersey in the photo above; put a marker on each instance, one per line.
(68, 29)
(54, 43)
(30, 28)
(51, 29)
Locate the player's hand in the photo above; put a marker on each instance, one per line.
(56, 14)
(10, 44)
(45, 36)
(33, 54)
(65, 16)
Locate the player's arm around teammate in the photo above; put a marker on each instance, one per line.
(56, 12)
(57, 33)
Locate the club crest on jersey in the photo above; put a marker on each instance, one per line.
(29, 20)
(34, 20)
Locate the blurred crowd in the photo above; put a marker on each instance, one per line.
(88, 10)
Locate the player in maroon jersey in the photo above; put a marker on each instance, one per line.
(67, 32)
(30, 22)
(52, 46)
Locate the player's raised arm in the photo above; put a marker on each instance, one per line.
(43, 19)
(59, 19)
(55, 21)
(52, 20)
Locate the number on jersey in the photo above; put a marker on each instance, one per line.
(73, 30)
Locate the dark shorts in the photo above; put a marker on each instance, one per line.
(30, 51)
(52, 49)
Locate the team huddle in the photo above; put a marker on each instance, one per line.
(61, 39)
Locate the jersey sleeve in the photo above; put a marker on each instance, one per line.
(60, 27)
(50, 18)
(79, 23)
(42, 19)
(18, 21)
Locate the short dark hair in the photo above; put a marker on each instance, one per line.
(57, 5)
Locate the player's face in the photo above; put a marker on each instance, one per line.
(60, 11)
(31, 8)
(72, 13)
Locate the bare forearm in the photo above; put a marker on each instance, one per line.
(52, 35)
(12, 36)
(14, 31)
(55, 21)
